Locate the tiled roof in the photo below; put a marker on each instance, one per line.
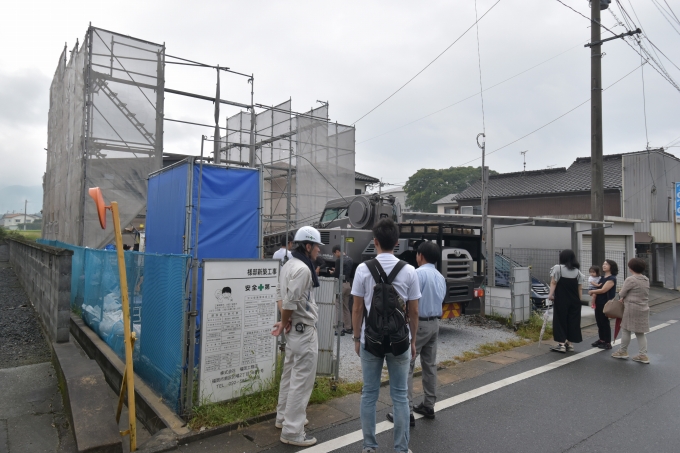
(576, 178)
(451, 198)
(362, 177)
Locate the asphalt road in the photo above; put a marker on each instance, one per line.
(594, 404)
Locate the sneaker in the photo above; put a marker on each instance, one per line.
(597, 343)
(279, 423)
(559, 348)
(369, 450)
(426, 412)
(342, 333)
(604, 345)
(412, 419)
(303, 440)
(642, 358)
(620, 354)
(570, 347)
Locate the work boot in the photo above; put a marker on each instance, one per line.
(426, 412)
(303, 440)
(642, 358)
(412, 419)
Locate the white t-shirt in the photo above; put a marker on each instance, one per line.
(406, 283)
(280, 254)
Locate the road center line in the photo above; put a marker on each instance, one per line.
(357, 436)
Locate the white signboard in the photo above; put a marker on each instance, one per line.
(239, 311)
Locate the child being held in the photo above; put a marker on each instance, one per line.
(594, 282)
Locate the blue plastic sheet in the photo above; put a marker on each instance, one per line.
(157, 287)
(229, 214)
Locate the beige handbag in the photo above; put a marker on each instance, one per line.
(613, 309)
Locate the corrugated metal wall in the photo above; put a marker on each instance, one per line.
(643, 172)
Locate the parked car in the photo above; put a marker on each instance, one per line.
(539, 290)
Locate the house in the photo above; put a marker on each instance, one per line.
(12, 221)
(637, 189)
(447, 205)
(362, 181)
(398, 193)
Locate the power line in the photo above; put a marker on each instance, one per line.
(428, 65)
(550, 122)
(664, 14)
(471, 96)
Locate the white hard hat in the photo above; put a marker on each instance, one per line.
(308, 234)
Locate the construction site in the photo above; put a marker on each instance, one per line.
(106, 127)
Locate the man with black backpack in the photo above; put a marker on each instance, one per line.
(385, 312)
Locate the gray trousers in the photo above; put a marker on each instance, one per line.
(426, 347)
(625, 341)
(297, 380)
(346, 302)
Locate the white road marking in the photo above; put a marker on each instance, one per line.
(357, 436)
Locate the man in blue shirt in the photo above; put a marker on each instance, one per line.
(433, 290)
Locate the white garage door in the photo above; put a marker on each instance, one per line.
(614, 249)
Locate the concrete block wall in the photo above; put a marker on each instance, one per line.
(45, 274)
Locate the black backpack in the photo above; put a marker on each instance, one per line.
(387, 322)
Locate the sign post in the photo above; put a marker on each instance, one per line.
(676, 190)
(238, 351)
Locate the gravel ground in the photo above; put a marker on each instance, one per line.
(20, 335)
(456, 336)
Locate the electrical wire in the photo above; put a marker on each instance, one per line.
(428, 65)
(550, 122)
(470, 96)
(664, 13)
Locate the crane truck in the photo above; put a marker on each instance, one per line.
(354, 217)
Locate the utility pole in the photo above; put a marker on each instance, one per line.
(484, 198)
(25, 203)
(597, 185)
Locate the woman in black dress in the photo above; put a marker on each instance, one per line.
(606, 292)
(566, 283)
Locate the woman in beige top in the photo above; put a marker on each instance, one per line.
(635, 297)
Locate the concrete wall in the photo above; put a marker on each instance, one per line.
(45, 274)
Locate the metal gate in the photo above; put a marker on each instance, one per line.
(325, 299)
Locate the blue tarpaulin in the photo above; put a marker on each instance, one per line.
(229, 213)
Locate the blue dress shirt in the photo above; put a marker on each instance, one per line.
(433, 290)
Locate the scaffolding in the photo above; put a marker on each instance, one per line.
(105, 129)
(306, 159)
(106, 126)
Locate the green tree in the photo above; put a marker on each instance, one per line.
(428, 185)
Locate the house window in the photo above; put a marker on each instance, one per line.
(357, 191)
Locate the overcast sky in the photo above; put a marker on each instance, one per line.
(354, 54)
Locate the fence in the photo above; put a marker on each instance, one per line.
(158, 306)
(325, 299)
(542, 260)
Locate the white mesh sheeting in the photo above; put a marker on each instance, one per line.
(105, 114)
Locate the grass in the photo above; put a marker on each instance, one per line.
(31, 235)
(262, 400)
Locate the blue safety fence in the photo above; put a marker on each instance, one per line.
(157, 291)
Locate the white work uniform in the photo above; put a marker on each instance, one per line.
(296, 292)
(281, 253)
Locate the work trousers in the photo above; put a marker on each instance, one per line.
(426, 347)
(604, 329)
(625, 341)
(346, 302)
(297, 380)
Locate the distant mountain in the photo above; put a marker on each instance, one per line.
(12, 199)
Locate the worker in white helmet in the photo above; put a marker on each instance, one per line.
(299, 313)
